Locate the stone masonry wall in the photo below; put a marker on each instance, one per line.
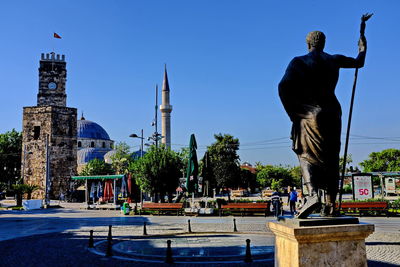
(59, 123)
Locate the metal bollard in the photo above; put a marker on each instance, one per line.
(91, 243)
(168, 258)
(234, 225)
(189, 228)
(109, 243)
(144, 228)
(247, 258)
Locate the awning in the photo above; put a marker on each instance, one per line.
(107, 177)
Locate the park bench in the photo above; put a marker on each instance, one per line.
(363, 207)
(244, 208)
(239, 193)
(163, 207)
(267, 193)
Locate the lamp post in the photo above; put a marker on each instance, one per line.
(47, 176)
(142, 138)
(141, 155)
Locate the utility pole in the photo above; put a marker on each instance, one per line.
(47, 179)
(156, 117)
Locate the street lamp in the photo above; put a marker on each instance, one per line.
(141, 155)
(142, 138)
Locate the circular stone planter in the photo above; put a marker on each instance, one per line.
(196, 248)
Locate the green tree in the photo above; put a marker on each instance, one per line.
(122, 158)
(19, 190)
(387, 160)
(158, 171)
(224, 161)
(184, 156)
(96, 167)
(248, 179)
(276, 184)
(295, 172)
(10, 157)
(280, 175)
(349, 168)
(29, 189)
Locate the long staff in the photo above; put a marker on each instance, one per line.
(364, 18)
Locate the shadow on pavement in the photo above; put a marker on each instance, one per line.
(380, 264)
(382, 243)
(59, 249)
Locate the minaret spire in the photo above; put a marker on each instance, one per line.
(165, 86)
(166, 110)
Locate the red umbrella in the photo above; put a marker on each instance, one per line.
(108, 190)
(129, 182)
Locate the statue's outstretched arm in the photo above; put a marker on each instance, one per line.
(348, 62)
(358, 62)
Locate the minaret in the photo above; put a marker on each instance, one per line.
(165, 109)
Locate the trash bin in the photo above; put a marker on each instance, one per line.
(125, 208)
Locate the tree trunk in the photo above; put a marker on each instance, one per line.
(19, 200)
(170, 197)
(155, 198)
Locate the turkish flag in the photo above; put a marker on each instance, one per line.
(56, 36)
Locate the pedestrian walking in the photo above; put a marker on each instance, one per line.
(292, 199)
(276, 203)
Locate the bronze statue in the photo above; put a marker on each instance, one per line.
(307, 92)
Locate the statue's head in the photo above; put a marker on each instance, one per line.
(315, 41)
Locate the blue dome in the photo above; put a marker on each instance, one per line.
(87, 154)
(90, 129)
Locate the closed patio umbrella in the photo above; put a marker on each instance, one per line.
(193, 167)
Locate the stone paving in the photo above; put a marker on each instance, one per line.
(59, 237)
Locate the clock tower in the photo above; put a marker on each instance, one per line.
(52, 78)
(49, 133)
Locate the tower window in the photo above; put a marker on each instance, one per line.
(92, 144)
(104, 144)
(36, 132)
(79, 144)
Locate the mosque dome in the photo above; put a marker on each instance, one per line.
(91, 130)
(87, 154)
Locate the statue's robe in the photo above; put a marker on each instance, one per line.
(307, 92)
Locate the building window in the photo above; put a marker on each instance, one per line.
(79, 144)
(92, 144)
(36, 132)
(104, 144)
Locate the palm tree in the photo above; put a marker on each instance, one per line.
(19, 190)
(29, 190)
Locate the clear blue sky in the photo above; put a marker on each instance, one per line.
(225, 59)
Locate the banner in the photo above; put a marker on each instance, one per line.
(362, 186)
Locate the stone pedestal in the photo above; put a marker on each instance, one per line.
(329, 245)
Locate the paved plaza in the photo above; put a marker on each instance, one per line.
(59, 237)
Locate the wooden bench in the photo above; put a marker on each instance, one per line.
(239, 193)
(361, 207)
(246, 208)
(163, 207)
(267, 193)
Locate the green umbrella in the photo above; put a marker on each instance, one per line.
(193, 167)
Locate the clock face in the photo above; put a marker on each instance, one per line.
(52, 85)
